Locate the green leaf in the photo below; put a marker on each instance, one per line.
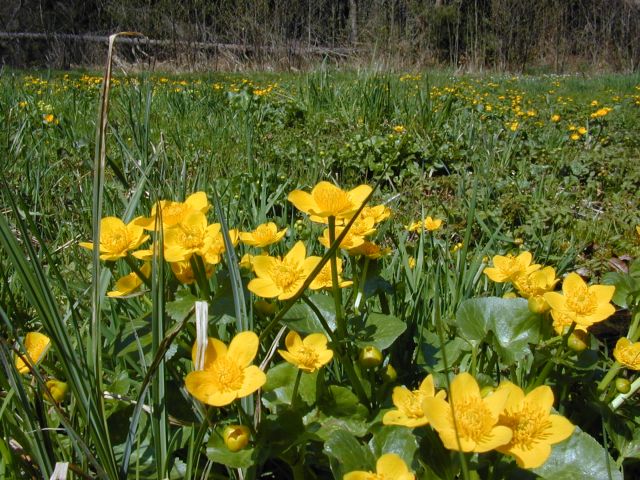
(625, 286)
(303, 319)
(218, 452)
(346, 454)
(338, 409)
(180, 308)
(380, 331)
(507, 324)
(279, 386)
(580, 456)
(394, 439)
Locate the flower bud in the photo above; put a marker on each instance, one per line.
(577, 341)
(389, 374)
(623, 385)
(538, 304)
(57, 389)
(370, 357)
(236, 437)
(509, 295)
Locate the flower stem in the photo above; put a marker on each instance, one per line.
(296, 385)
(611, 374)
(337, 294)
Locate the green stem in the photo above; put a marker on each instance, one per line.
(611, 374)
(550, 364)
(337, 294)
(296, 385)
(200, 273)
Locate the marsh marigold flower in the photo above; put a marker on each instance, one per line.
(117, 238)
(263, 236)
(217, 248)
(388, 467)
(175, 212)
(379, 213)
(282, 277)
(327, 200)
(475, 428)
(57, 389)
(36, 345)
(534, 285)
(324, 280)
(583, 304)
(534, 428)
(130, 283)
(429, 224)
(227, 373)
(369, 250)
(409, 410)
(191, 235)
(309, 354)
(349, 241)
(627, 353)
(508, 268)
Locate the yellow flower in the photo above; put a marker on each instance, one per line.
(513, 126)
(428, 224)
(264, 235)
(582, 304)
(534, 285)
(282, 278)
(388, 467)
(191, 235)
(36, 344)
(236, 437)
(409, 410)
(57, 389)
(369, 250)
(555, 118)
(575, 136)
(117, 239)
(130, 283)
(246, 262)
(475, 428)
(627, 353)
(227, 373)
(508, 268)
(602, 112)
(185, 274)
(175, 212)
(377, 212)
(581, 130)
(50, 118)
(534, 428)
(411, 262)
(348, 242)
(309, 354)
(327, 200)
(399, 129)
(213, 255)
(323, 279)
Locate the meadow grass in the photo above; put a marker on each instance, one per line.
(511, 164)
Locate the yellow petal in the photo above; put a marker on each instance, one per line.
(263, 264)
(318, 341)
(427, 386)
(515, 396)
(438, 412)
(264, 287)
(572, 283)
(464, 385)
(215, 350)
(391, 465)
(297, 254)
(254, 378)
(243, 348)
(541, 397)
(201, 385)
(358, 475)
(496, 402)
(359, 194)
(303, 201)
(531, 457)
(452, 441)
(292, 341)
(560, 430)
(499, 435)
(198, 201)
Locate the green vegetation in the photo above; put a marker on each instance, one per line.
(547, 165)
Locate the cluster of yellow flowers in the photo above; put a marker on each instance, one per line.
(578, 303)
(505, 420)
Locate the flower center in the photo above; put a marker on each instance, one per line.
(413, 407)
(582, 302)
(307, 357)
(227, 375)
(115, 240)
(474, 419)
(530, 425)
(192, 237)
(173, 212)
(263, 234)
(332, 199)
(285, 275)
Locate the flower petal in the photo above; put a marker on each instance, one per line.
(243, 348)
(264, 287)
(303, 201)
(317, 341)
(499, 435)
(254, 378)
(391, 465)
(201, 385)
